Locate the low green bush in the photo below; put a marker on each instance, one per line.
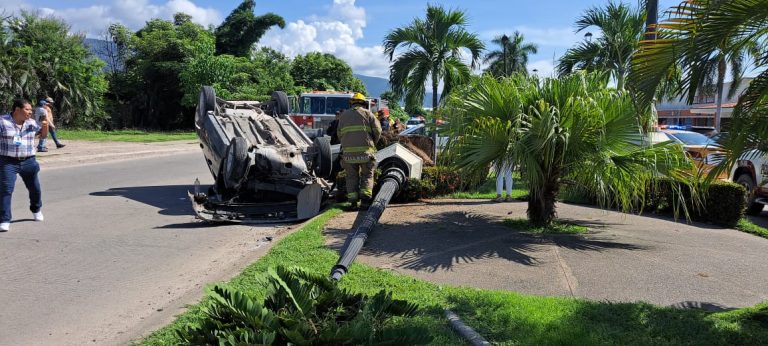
(435, 181)
(303, 308)
(724, 203)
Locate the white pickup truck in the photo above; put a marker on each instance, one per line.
(751, 171)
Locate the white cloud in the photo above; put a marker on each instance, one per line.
(94, 20)
(337, 33)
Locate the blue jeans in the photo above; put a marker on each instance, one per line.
(27, 169)
(52, 132)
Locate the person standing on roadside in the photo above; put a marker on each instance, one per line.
(359, 130)
(51, 126)
(17, 157)
(44, 111)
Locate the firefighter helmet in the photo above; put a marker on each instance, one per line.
(358, 97)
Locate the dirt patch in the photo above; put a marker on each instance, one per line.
(87, 152)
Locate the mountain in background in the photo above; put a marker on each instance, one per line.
(376, 86)
(100, 48)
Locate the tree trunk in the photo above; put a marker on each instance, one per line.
(651, 19)
(541, 210)
(721, 69)
(434, 114)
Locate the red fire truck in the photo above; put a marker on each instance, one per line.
(317, 109)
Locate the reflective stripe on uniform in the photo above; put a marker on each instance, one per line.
(366, 193)
(364, 149)
(352, 196)
(353, 128)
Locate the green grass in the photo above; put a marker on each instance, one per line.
(502, 317)
(556, 227)
(124, 135)
(488, 190)
(745, 225)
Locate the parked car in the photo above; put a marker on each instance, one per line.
(413, 122)
(703, 150)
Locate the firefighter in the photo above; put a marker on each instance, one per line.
(359, 130)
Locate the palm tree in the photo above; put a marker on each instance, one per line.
(697, 31)
(712, 76)
(433, 54)
(513, 56)
(571, 130)
(621, 28)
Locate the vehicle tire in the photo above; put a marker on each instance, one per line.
(323, 164)
(206, 102)
(281, 102)
(746, 180)
(236, 163)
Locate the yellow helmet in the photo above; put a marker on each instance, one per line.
(358, 97)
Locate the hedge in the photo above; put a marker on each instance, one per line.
(722, 201)
(435, 181)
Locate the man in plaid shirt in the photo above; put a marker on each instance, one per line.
(17, 157)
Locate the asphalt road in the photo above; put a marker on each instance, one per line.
(118, 255)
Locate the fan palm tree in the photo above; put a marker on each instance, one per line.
(433, 53)
(512, 57)
(621, 28)
(571, 130)
(694, 33)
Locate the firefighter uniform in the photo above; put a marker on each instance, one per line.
(359, 130)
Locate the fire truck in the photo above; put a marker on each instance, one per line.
(316, 109)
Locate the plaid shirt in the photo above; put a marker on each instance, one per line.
(9, 129)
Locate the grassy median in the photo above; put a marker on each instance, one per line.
(124, 135)
(505, 317)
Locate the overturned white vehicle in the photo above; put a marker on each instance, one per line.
(264, 167)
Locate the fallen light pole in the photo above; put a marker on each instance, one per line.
(397, 165)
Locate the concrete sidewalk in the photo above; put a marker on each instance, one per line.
(88, 152)
(623, 258)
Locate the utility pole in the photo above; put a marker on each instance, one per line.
(504, 43)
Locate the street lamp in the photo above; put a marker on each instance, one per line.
(504, 42)
(588, 36)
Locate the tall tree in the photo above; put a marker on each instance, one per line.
(323, 71)
(512, 57)
(242, 29)
(621, 28)
(572, 129)
(41, 58)
(433, 53)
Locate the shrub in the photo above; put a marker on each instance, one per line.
(435, 181)
(302, 308)
(724, 203)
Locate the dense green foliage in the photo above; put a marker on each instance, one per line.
(511, 58)
(39, 58)
(722, 202)
(435, 181)
(323, 71)
(164, 64)
(573, 130)
(242, 29)
(302, 308)
(433, 54)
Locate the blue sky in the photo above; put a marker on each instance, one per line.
(350, 29)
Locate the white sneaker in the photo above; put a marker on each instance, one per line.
(38, 216)
(5, 226)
